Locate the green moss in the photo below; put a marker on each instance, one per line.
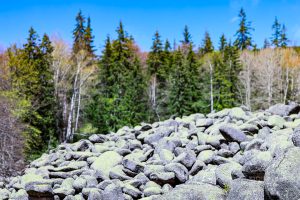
(226, 188)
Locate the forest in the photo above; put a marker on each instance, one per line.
(52, 93)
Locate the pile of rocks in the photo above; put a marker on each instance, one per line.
(231, 154)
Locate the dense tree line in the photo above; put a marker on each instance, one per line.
(61, 93)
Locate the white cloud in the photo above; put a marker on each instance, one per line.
(234, 19)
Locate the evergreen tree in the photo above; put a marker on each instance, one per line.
(156, 68)
(223, 43)
(283, 37)
(119, 99)
(184, 89)
(187, 38)
(243, 34)
(89, 39)
(276, 27)
(226, 69)
(79, 34)
(207, 46)
(33, 81)
(47, 108)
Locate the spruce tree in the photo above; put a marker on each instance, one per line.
(79, 33)
(89, 39)
(207, 46)
(223, 42)
(243, 34)
(184, 90)
(276, 27)
(154, 65)
(187, 38)
(283, 37)
(119, 99)
(33, 81)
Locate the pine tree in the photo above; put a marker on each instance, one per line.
(33, 81)
(283, 41)
(184, 89)
(207, 46)
(79, 34)
(47, 102)
(156, 74)
(187, 38)
(223, 42)
(89, 39)
(120, 97)
(276, 27)
(243, 34)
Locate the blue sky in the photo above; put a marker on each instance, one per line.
(143, 17)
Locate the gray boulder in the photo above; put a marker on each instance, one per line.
(223, 173)
(180, 171)
(296, 137)
(232, 134)
(282, 180)
(284, 110)
(244, 189)
(105, 162)
(113, 192)
(256, 164)
(201, 191)
(20, 195)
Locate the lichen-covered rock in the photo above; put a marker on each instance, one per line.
(4, 194)
(201, 191)
(106, 161)
(180, 171)
(113, 192)
(296, 137)
(20, 195)
(223, 173)
(284, 110)
(282, 180)
(256, 164)
(232, 134)
(244, 189)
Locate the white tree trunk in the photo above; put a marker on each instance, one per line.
(211, 88)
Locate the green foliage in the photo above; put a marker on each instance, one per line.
(207, 44)
(32, 79)
(226, 82)
(243, 36)
(184, 85)
(276, 35)
(118, 99)
(82, 35)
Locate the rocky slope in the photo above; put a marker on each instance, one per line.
(233, 154)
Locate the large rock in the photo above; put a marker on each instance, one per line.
(105, 162)
(256, 164)
(113, 192)
(201, 191)
(232, 134)
(296, 137)
(284, 110)
(223, 173)
(180, 171)
(282, 180)
(244, 189)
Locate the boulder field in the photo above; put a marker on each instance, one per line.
(233, 154)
